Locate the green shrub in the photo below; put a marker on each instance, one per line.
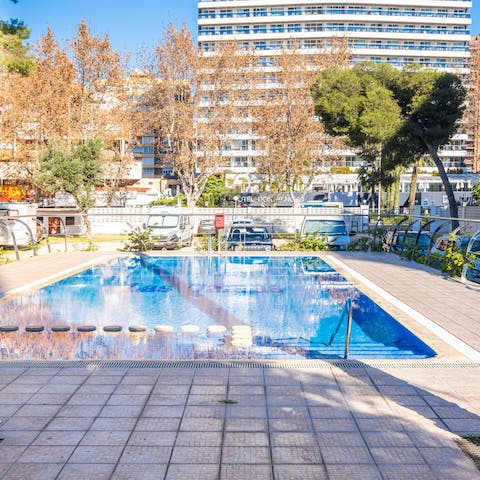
(139, 239)
(201, 244)
(311, 243)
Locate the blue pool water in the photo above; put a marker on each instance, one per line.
(270, 307)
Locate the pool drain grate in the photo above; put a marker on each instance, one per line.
(471, 446)
(288, 364)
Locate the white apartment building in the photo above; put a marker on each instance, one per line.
(434, 33)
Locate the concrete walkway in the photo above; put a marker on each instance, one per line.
(326, 420)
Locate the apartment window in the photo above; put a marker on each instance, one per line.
(226, 13)
(260, 45)
(259, 29)
(226, 30)
(277, 11)
(148, 140)
(148, 161)
(294, 11)
(276, 28)
(259, 12)
(69, 221)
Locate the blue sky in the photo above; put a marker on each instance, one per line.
(129, 23)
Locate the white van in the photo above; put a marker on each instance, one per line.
(333, 228)
(170, 228)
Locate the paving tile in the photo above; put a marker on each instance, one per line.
(246, 455)
(447, 472)
(10, 453)
(59, 388)
(299, 472)
(392, 455)
(134, 471)
(133, 389)
(152, 439)
(401, 472)
(246, 472)
(37, 411)
(201, 424)
(66, 423)
(192, 472)
(340, 439)
(32, 471)
(121, 411)
(298, 454)
(236, 411)
(234, 390)
(96, 454)
(113, 423)
(334, 425)
(329, 412)
(18, 437)
(120, 399)
(8, 410)
(142, 454)
(89, 399)
(79, 411)
(387, 439)
(246, 425)
(48, 399)
(245, 439)
(157, 424)
(105, 438)
(354, 472)
(220, 390)
(170, 399)
(25, 423)
(290, 425)
(196, 455)
(52, 438)
(205, 411)
(85, 471)
(161, 411)
(94, 388)
(199, 439)
(46, 454)
(292, 439)
(345, 455)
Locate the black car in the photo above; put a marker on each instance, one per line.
(246, 236)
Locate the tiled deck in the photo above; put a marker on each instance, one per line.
(384, 420)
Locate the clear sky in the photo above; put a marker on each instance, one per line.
(129, 23)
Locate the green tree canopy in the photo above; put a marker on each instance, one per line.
(13, 51)
(76, 171)
(405, 113)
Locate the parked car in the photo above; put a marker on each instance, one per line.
(206, 227)
(170, 229)
(333, 228)
(247, 236)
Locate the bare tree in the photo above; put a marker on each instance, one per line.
(190, 106)
(292, 138)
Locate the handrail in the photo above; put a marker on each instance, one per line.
(347, 309)
(14, 240)
(349, 306)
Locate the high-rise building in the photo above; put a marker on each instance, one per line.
(433, 33)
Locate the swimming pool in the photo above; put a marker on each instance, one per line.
(204, 308)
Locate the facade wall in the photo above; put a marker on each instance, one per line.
(435, 34)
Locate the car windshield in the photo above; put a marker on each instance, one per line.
(328, 227)
(248, 234)
(163, 221)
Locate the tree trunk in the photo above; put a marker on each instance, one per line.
(452, 203)
(413, 188)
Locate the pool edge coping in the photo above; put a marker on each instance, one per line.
(430, 325)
